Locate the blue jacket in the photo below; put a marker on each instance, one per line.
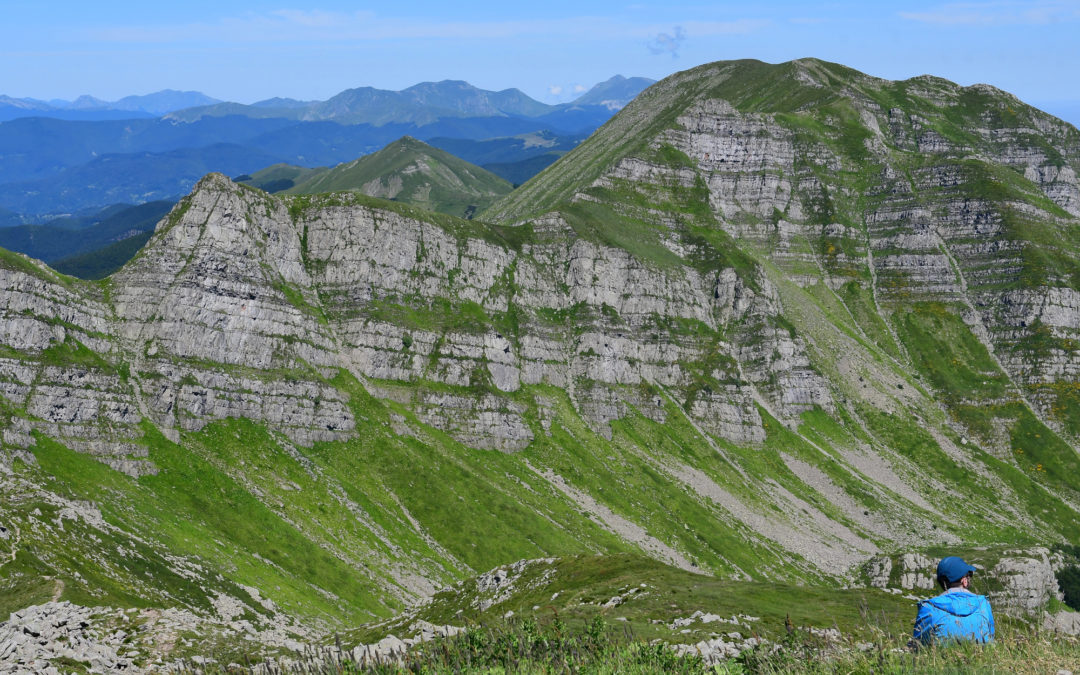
(955, 615)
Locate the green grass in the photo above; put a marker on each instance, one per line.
(603, 647)
(956, 363)
(860, 302)
(194, 509)
(671, 156)
(279, 177)
(25, 587)
(20, 263)
(297, 299)
(604, 225)
(445, 183)
(71, 352)
(653, 596)
(435, 314)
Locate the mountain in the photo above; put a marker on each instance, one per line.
(84, 102)
(164, 101)
(787, 325)
(50, 166)
(39, 148)
(10, 112)
(42, 159)
(524, 156)
(420, 104)
(507, 148)
(129, 178)
(282, 103)
(430, 102)
(412, 172)
(84, 219)
(1066, 110)
(91, 108)
(514, 158)
(74, 236)
(469, 101)
(9, 218)
(101, 262)
(614, 93)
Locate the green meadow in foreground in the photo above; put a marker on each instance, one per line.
(598, 647)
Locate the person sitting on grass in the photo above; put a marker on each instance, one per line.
(957, 614)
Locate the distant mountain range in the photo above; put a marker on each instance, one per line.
(91, 108)
(425, 103)
(52, 167)
(421, 104)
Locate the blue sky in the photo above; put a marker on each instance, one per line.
(549, 49)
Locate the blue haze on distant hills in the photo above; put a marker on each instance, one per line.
(62, 157)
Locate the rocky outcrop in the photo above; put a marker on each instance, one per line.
(1019, 582)
(31, 637)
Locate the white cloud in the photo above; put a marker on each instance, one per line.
(668, 43)
(555, 90)
(578, 88)
(1003, 13)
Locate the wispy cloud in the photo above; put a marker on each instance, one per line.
(296, 25)
(668, 43)
(290, 25)
(999, 13)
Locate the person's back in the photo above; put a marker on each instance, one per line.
(956, 614)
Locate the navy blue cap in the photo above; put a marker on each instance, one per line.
(953, 569)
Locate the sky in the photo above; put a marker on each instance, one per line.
(552, 49)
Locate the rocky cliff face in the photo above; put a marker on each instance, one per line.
(239, 310)
(769, 322)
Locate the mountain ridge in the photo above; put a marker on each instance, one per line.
(425, 102)
(774, 323)
(84, 107)
(803, 68)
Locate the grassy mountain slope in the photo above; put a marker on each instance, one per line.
(414, 172)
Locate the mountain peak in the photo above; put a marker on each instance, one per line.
(411, 171)
(615, 92)
(441, 85)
